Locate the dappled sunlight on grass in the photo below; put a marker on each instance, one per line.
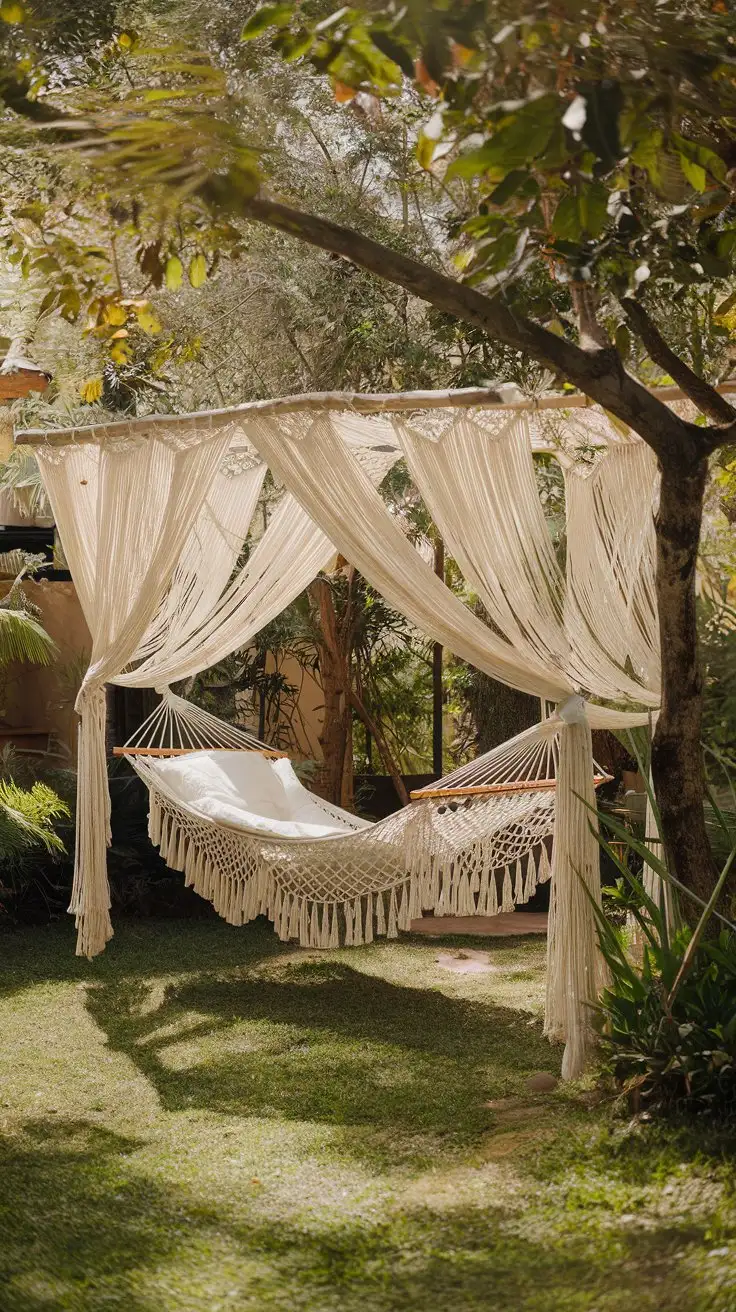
(205, 1119)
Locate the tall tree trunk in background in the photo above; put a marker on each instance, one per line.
(677, 756)
(333, 780)
(499, 712)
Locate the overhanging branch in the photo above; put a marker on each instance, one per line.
(708, 400)
(598, 373)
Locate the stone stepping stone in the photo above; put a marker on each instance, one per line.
(467, 961)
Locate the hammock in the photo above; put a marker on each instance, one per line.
(250, 838)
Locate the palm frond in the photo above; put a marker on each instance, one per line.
(27, 819)
(21, 477)
(22, 638)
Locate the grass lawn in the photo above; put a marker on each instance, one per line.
(204, 1119)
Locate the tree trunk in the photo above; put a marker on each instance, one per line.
(677, 758)
(333, 779)
(499, 712)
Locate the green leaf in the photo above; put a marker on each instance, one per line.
(198, 271)
(292, 45)
(567, 222)
(275, 15)
(701, 155)
(22, 638)
(622, 339)
(695, 173)
(510, 185)
(174, 273)
(393, 50)
(518, 142)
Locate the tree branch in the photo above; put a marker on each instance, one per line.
(701, 393)
(600, 374)
(585, 303)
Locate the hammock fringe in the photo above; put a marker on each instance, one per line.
(246, 877)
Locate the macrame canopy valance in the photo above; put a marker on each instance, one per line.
(153, 516)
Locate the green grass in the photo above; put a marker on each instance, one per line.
(203, 1119)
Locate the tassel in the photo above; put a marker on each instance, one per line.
(335, 928)
(393, 931)
(483, 891)
(519, 885)
(324, 938)
(348, 913)
(544, 868)
(154, 820)
(278, 903)
(368, 936)
(404, 909)
(304, 924)
(294, 918)
(507, 897)
(163, 842)
(358, 923)
(415, 901)
(380, 914)
(314, 927)
(531, 878)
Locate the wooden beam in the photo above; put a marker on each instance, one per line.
(365, 403)
(489, 790)
(186, 751)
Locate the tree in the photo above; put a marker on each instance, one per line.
(600, 144)
(578, 155)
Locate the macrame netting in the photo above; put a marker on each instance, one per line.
(154, 520)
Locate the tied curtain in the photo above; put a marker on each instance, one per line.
(124, 510)
(153, 525)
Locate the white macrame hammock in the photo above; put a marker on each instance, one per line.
(153, 515)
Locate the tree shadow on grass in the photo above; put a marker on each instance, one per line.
(72, 1218)
(85, 1229)
(324, 1042)
(139, 949)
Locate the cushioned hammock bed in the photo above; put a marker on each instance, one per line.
(253, 840)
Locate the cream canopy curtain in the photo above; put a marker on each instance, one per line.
(316, 466)
(209, 558)
(220, 617)
(124, 511)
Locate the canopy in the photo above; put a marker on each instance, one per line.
(153, 515)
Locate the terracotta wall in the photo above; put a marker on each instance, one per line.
(301, 719)
(42, 697)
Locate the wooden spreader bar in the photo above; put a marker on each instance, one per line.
(485, 790)
(185, 751)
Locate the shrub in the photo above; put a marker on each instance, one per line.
(668, 1022)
